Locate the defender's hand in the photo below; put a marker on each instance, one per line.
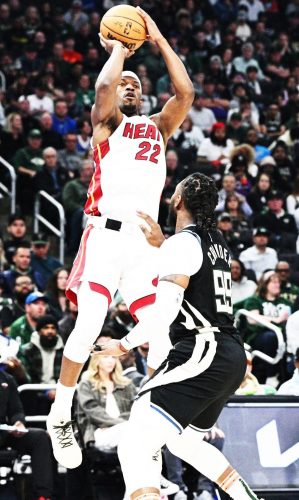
(110, 44)
(154, 236)
(110, 348)
(154, 34)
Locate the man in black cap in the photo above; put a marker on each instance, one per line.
(259, 256)
(41, 261)
(281, 224)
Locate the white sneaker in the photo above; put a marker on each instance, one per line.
(204, 495)
(65, 447)
(167, 487)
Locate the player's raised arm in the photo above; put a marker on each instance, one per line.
(105, 106)
(176, 109)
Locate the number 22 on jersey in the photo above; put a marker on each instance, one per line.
(148, 152)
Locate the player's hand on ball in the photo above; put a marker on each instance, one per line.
(153, 235)
(154, 34)
(110, 348)
(110, 44)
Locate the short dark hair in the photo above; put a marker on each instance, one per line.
(200, 197)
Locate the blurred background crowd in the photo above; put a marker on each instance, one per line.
(243, 130)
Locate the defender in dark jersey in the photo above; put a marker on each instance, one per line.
(206, 363)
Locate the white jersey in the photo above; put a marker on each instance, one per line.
(130, 171)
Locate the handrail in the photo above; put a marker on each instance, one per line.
(281, 343)
(40, 218)
(13, 180)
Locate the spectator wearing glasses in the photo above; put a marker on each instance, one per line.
(288, 290)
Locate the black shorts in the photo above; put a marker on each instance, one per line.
(197, 378)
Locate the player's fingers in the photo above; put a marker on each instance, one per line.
(142, 12)
(145, 231)
(146, 217)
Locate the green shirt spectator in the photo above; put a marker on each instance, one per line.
(35, 307)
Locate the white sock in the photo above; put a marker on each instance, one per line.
(63, 401)
(240, 490)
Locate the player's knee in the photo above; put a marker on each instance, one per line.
(146, 494)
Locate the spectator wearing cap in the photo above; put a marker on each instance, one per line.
(236, 130)
(62, 122)
(75, 17)
(291, 387)
(200, 115)
(288, 290)
(16, 229)
(280, 224)
(242, 62)
(35, 307)
(21, 267)
(215, 150)
(40, 101)
(232, 238)
(285, 171)
(259, 256)
(27, 162)
(41, 261)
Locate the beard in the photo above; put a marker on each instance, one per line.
(172, 216)
(48, 342)
(129, 109)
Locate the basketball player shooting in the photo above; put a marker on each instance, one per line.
(185, 396)
(130, 171)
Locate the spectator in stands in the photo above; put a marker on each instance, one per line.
(242, 287)
(75, 17)
(213, 99)
(67, 323)
(257, 197)
(68, 157)
(27, 162)
(280, 224)
(62, 122)
(232, 238)
(11, 312)
(229, 188)
(120, 320)
(272, 127)
(83, 138)
(285, 171)
(29, 61)
(21, 267)
(288, 290)
(188, 139)
(39, 102)
(17, 230)
(128, 362)
(259, 256)
(149, 100)
(215, 150)
(252, 139)
(35, 307)
(85, 94)
(236, 130)
(41, 261)
(41, 358)
(29, 441)
(73, 199)
(250, 385)
(11, 136)
(241, 63)
(291, 387)
(49, 136)
(202, 116)
(243, 31)
(105, 397)
(267, 304)
(233, 207)
(55, 292)
(275, 68)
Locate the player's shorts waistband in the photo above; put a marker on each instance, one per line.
(113, 224)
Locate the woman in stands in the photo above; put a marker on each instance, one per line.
(55, 292)
(267, 304)
(257, 198)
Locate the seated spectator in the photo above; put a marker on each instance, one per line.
(257, 197)
(272, 126)
(285, 171)
(41, 358)
(292, 202)
(35, 307)
(229, 187)
(259, 257)
(212, 98)
(83, 138)
(242, 104)
(128, 362)
(233, 207)
(39, 102)
(29, 441)
(236, 129)
(275, 68)
(120, 321)
(252, 138)
(243, 31)
(291, 387)
(67, 323)
(21, 267)
(149, 100)
(267, 304)
(250, 385)
(292, 336)
(62, 122)
(9, 362)
(27, 162)
(241, 63)
(55, 291)
(16, 306)
(242, 167)
(73, 200)
(232, 238)
(105, 397)
(12, 136)
(41, 261)
(242, 287)
(215, 150)
(68, 157)
(280, 224)
(74, 15)
(85, 94)
(49, 136)
(200, 115)
(17, 231)
(187, 139)
(288, 290)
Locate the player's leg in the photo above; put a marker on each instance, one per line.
(140, 446)
(92, 310)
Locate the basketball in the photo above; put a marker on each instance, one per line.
(123, 23)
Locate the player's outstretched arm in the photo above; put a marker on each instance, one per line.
(176, 109)
(105, 88)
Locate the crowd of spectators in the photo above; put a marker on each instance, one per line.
(243, 130)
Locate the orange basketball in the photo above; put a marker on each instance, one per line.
(123, 23)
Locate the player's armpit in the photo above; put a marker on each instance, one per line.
(178, 279)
